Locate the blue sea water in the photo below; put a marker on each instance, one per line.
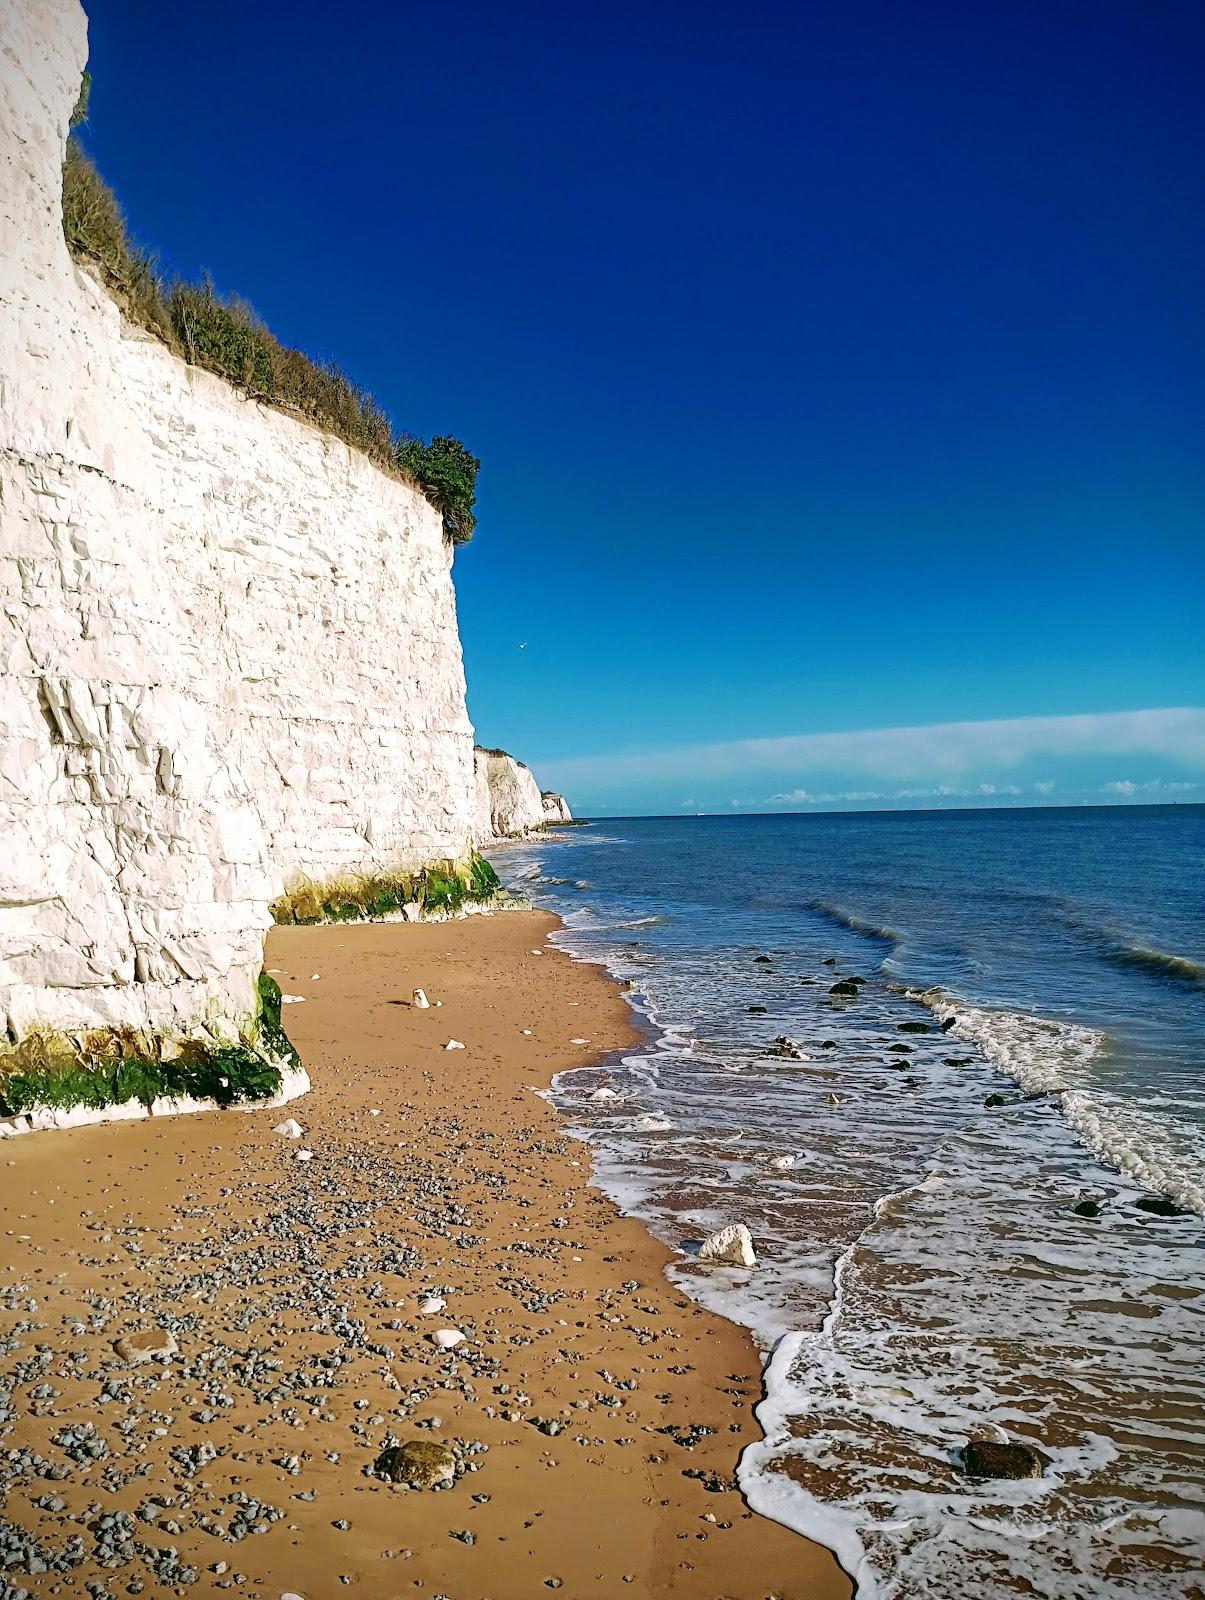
(949, 1177)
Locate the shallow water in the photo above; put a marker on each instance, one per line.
(925, 1277)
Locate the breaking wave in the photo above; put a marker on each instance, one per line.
(849, 919)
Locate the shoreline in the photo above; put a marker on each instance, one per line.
(600, 1413)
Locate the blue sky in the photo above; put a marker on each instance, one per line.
(834, 368)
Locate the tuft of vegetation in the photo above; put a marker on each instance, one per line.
(224, 335)
(370, 897)
(95, 231)
(80, 113)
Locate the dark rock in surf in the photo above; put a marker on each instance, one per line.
(900, 1049)
(914, 1027)
(829, 961)
(765, 960)
(1087, 1208)
(948, 1024)
(985, 1458)
(786, 1047)
(846, 988)
(757, 1011)
(828, 1044)
(1159, 1205)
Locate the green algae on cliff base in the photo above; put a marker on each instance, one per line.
(113, 1066)
(373, 896)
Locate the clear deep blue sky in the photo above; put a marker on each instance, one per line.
(832, 366)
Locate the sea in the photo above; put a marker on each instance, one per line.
(976, 1184)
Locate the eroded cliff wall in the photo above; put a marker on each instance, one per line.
(508, 800)
(228, 644)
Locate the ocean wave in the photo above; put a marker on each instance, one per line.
(1159, 962)
(1118, 949)
(850, 919)
(1043, 1056)
(1140, 1145)
(1054, 1058)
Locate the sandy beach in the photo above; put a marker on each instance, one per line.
(594, 1415)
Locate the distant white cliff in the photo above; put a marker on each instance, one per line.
(508, 799)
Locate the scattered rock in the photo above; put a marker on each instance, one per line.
(948, 1024)
(303, 1155)
(453, 1044)
(447, 1338)
(292, 999)
(422, 1462)
(764, 960)
(914, 1027)
(431, 1306)
(289, 1129)
(1087, 1208)
(420, 1000)
(846, 988)
(758, 1011)
(146, 1344)
(985, 1458)
(787, 1048)
(1159, 1205)
(730, 1246)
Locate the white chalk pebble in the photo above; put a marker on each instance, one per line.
(447, 1338)
(537, 952)
(289, 1595)
(431, 1306)
(314, 976)
(526, 1032)
(420, 1000)
(289, 1129)
(579, 1041)
(783, 1162)
(374, 1111)
(292, 999)
(304, 1155)
(453, 1044)
(604, 1094)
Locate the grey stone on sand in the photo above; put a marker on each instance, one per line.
(987, 1458)
(423, 1462)
(146, 1344)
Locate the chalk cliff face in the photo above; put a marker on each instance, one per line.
(556, 807)
(228, 644)
(508, 799)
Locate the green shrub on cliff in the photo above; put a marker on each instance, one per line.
(447, 474)
(225, 336)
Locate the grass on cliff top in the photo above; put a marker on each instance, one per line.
(225, 336)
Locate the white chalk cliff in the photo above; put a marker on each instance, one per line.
(508, 803)
(229, 655)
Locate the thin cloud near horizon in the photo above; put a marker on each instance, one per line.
(939, 762)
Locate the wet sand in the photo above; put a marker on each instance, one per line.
(596, 1415)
